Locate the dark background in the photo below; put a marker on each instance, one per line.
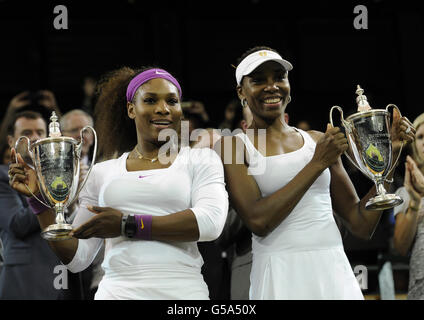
(199, 40)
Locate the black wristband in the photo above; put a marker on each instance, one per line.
(130, 226)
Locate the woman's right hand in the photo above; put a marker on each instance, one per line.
(19, 101)
(330, 147)
(21, 175)
(414, 181)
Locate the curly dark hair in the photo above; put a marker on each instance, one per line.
(116, 131)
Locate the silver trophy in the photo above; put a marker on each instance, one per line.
(370, 147)
(56, 160)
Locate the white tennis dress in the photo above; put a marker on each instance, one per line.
(302, 258)
(138, 269)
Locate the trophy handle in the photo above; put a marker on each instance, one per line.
(344, 122)
(28, 149)
(31, 154)
(402, 144)
(78, 150)
(346, 125)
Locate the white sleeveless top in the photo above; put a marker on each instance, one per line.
(311, 224)
(307, 243)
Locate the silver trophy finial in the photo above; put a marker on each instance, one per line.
(362, 100)
(359, 91)
(54, 127)
(54, 117)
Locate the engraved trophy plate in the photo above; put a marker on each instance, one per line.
(370, 147)
(56, 161)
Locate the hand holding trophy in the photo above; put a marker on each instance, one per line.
(56, 161)
(371, 136)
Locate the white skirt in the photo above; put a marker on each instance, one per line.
(323, 274)
(153, 284)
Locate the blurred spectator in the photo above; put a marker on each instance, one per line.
(229, 114)
(89, 88)
(236, 238)
(1, 255)
(5, 152)
(239, 120)
(303, 125)
(71, 124)
(215, 267)
(409, 226)
(42, 101)
(196, 110)
(29, 263)
(195, 113)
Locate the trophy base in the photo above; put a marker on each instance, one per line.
(383, 202)
(57, 232)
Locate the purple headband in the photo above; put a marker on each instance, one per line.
(147, 75)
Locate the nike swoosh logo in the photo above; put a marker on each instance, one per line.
(143, 177)
(158, 72)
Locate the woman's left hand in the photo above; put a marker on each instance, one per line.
(402, 131)
(417, 177)
(105, 224)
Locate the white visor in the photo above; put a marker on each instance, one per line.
(255, 59)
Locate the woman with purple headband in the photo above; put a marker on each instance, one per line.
(152, 203)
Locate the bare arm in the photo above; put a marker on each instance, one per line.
(264, 214)
(178, 226)
(349, 207)
(405, 230)
(204, 221)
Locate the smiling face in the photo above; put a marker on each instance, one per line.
(156, 106)
(266, 90)
(34, 129)
(73, 126)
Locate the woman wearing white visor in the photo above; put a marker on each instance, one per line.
(286, 192)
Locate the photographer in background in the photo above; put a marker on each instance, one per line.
(41, 101)
(28, 270)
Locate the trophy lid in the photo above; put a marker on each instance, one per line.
(54, 134)
(361, 100)
(54, 127)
